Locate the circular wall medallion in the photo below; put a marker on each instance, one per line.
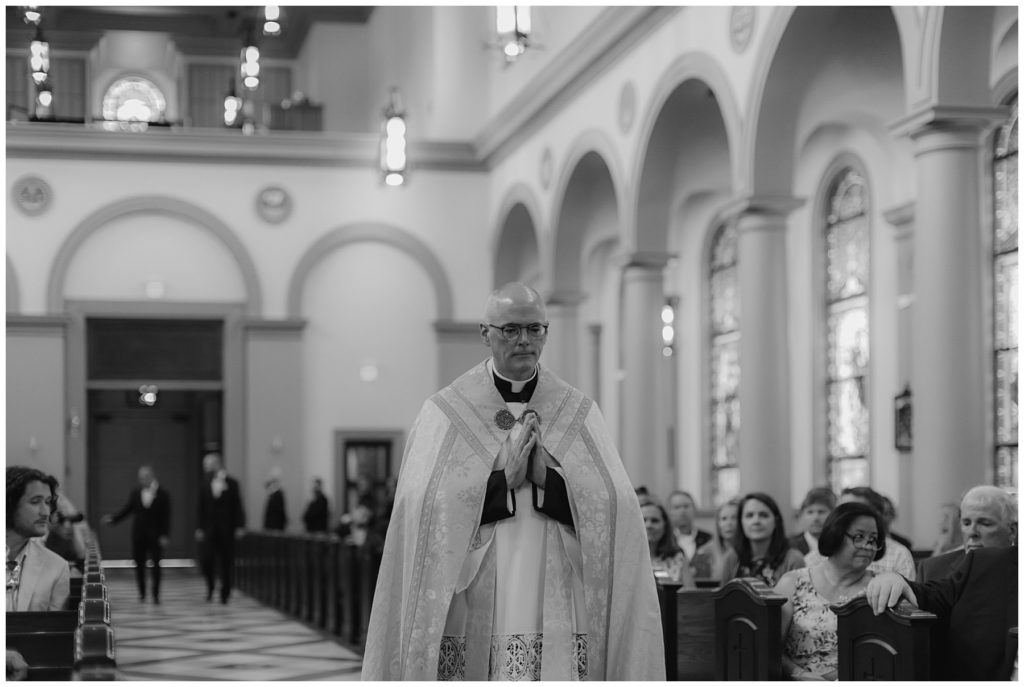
(547, 168)
(741, 27)
(627, 106)
(273, 204)
(32, 195)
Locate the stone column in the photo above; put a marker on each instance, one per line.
(764, 454)
(644, 444)
(562, 349)
(901, 219)
(952, 447)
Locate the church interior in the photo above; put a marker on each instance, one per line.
(269, 232)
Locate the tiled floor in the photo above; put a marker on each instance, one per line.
(186, 638)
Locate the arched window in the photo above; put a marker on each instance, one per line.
(724, 310)
(846, 316)
(1004, 271)
(131, 102)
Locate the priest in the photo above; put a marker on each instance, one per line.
(516, 548)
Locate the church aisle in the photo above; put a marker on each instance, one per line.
(186, 638)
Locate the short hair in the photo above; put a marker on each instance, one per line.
(821, 496)
(777, 547)
(831, 538)
(873, 498)
(681, 492)
(998, 499)
(18, 479)
(666, 546)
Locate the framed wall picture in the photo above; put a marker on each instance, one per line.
(903, 405)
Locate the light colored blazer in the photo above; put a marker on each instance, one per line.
(45, 579)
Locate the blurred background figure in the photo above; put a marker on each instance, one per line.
(814, 510)
(889, 515)
(708, 563)
(275, 517)
(682, 511)
(150, 508)
(315, 516)
(221, 522)
(668, 561)
(643, 495)
(950, 537)
(68, 534)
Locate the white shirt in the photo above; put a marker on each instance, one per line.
(687, 542)
(148, 494)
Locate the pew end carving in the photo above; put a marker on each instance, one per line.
(747, 631)
(895, 645)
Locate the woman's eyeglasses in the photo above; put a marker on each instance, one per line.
(863, 541)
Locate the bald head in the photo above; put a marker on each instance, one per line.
(512, 295)
(512, 312)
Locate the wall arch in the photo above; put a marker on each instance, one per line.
(382, 233)
(13, 289)
(153, 205)
(519, 209)
(700, 67)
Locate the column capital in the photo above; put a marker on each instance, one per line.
(564, 297)
(771, 206)
(647, 259)
(967, 121)
(901, 219)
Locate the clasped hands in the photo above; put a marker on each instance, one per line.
(527, 458)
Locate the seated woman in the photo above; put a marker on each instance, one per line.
(667, 559)
(708, 561)
(37, 579)
(852, 538)
(760, 548)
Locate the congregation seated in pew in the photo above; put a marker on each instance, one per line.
(667, 560)
(852, 537)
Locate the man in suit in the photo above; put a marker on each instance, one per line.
(814, 510)
(988, 519)
(316, 514)
(275, 517)
(977, 605)
(150, 508)
(221, 521)
(682, 509)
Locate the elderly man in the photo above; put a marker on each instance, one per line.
(516, 549)
(976, 605)
(988, 518)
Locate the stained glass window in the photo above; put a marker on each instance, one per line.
(1005, 299)
(846, 299)
(724, 309)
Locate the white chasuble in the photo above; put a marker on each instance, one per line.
(525, 597)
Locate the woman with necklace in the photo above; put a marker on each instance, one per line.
(852, 538)
(760, 547)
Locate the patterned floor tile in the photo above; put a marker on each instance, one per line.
(186, 638)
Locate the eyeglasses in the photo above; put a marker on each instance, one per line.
(511, 332)
(863, 541)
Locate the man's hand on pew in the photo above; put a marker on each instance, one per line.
(886, 590)
(17, 669)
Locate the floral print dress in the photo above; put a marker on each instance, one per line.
(812, 642)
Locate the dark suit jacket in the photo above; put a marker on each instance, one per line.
(703, 537)
(315, 516)
(937, 567)
(274, 516)
(148, 523)
(979, 601)
(798, 542)
(221, 515)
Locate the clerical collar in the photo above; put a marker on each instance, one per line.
(511, 390)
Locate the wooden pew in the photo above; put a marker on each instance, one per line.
(748, 631)
(695, 634)
(46, 640)
(895, 645)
